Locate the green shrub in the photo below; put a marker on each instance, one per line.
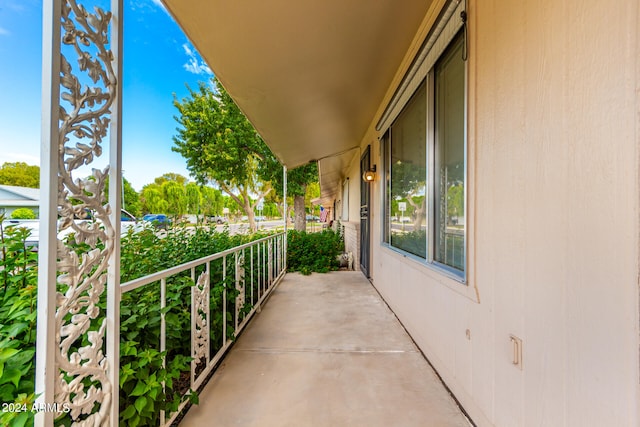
(313, 252)
(141, 362)
(144, 253)
(18, 295)
(23, 213)
(414, 242)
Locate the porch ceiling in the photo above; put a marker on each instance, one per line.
(331, 171)
(309, 75)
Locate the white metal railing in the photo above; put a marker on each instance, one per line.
(81, 119)
(246, 273)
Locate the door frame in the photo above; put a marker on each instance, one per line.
(365, 214)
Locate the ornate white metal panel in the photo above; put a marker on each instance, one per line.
(88, 91)
(240, 286)
(199, 310)
(270, 262)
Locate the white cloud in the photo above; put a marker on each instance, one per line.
(4, 32)
(142, 7)
(195, 64)
(19, 157)
(160, 5)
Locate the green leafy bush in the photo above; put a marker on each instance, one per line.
(313, 252)
(23, 213)
(144, 253)
(414, 242)
(18, 295)
(141, 362)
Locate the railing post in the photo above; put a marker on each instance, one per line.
(194, 313)
(270, 260)
(115, 190)
(252, 285)
(286, 216)
(163, 335)
(240, 287)
(224, 301)
(46, 322)
(259, 278)
(76, 119)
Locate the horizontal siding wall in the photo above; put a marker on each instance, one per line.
(553, 222)
(351, 242)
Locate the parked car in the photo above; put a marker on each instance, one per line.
(127, 221)
(218, 219)
(313, 218)
(158, 220)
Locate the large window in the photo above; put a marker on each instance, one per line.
(425, 167)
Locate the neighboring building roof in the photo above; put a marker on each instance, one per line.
(11, 195)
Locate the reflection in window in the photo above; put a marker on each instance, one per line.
(424, 167)
(409, 177)
(449, 144)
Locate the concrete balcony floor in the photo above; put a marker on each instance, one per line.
(325, 351)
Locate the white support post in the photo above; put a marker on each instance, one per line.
(194, 313)
(270, 262)
(208, 314)
(163, 336)
(237, 286)
(58, 164)
(224, 301)
(49, 157)
(258, 278)
(115, 190)
(286, 216)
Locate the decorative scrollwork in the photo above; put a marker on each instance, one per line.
(200, 308)
(86, 99)
(240, 283)
(270, 262)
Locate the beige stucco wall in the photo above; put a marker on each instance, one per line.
(553, 222)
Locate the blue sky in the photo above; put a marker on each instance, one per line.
(158, 61)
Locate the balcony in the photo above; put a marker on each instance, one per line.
(325, 351)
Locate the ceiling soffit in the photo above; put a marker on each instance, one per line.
(310, 76)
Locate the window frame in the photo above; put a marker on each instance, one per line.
(386, 142)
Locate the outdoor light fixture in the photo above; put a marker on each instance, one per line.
(370, 175)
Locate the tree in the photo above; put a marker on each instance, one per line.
(409, 183)
(312, 192)
(297, 181)
(212, 201)
(152, 199)
(20, 174)
(221, 146)
(176, 198)
(131, 197)
(455, 201)
(275, 199)
(270, 209)
(171, 176)
(194, 198)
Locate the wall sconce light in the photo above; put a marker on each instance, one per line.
(370, 175)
